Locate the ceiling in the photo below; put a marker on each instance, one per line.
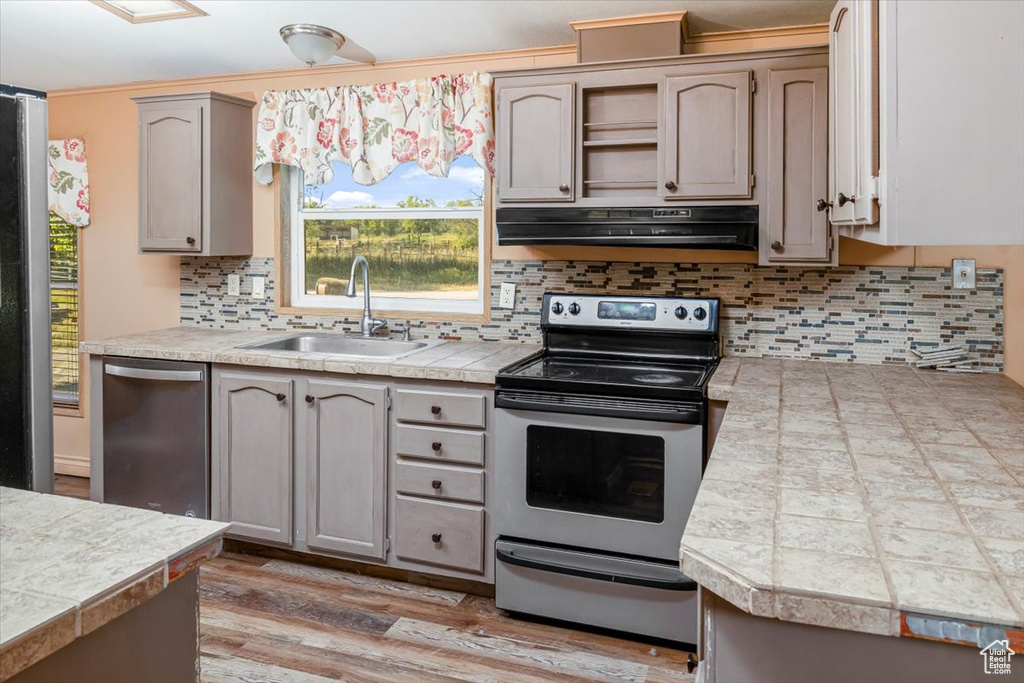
(54, 44)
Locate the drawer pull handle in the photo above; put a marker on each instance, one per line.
(436, 446)
(436, 410)
(281, 397)
(436, 538)
(436, 484)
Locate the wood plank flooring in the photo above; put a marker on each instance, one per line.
(274, 620)
(271, 620)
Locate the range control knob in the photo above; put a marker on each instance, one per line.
(557, 308)
(574, 308)
(681, 313)
(699, 313)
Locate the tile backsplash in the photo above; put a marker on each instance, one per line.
(865, 314)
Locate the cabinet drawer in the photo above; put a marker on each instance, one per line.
(442, 445)
(431, 407)
(459, 530)
(439, 482)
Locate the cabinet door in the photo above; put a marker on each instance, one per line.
(255, 456)
(346, 457)
(536, 143)
(853, 112)
(797, 165)
(706, 136)
(171, 178)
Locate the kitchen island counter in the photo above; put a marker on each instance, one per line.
(880, 499)
(70, 568)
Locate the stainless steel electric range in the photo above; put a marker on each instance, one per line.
(600, 452)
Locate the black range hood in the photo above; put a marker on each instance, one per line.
(697, 227)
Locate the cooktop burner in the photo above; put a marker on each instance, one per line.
(658, 378)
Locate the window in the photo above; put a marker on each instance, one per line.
(422, 236)
(64, 311)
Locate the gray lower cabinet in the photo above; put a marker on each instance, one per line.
(313, 462)
(346, 457)
(798, 229)
(253, 423)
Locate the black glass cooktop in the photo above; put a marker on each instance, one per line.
(641, 377)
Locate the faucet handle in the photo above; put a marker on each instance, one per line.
(407, 332)
(377, 324)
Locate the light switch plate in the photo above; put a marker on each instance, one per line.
(233, 284)
(258, 287)
(963, 273)
(507, 299)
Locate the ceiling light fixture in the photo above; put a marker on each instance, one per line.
(141, 11)
(311, 43)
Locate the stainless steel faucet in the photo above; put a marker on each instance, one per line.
(368, 325)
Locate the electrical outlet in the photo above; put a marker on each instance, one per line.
(508, 295)
(258, 287)
(963, 273)
(233, 284)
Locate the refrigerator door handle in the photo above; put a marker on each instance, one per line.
(159, 375)
(589, 566)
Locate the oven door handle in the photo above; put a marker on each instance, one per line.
(663, 577)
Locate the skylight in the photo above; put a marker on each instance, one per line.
(139, 11)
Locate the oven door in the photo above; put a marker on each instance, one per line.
(601, 483)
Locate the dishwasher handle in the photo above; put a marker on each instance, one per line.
(159, 375)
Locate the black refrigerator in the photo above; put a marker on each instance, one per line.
(26, 394)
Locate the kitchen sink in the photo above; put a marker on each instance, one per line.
(340, 345)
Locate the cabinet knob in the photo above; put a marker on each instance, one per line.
(281, 397)
(564, 187)
(670, 186)
(310, 399)
(776, 246)
(822, 205)
(436, 538)
(436, 484)
(843, 199)
(190, 240)
(436, 446)
(436, 410)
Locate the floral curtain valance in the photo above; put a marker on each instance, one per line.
(69, 181)
(374, 128)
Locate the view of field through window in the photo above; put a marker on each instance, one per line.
(420, 234)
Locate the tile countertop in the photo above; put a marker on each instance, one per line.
(449, 361)
(70, 566)
(876, 498)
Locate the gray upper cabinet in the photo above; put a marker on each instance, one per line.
(254, 456)
(797, 165)
(195, 174)
(536, 143)
(706, 136)
(346, 461)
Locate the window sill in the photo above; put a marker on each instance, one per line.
(65, 410)
(392, 316)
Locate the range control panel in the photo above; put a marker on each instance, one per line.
(650, 313)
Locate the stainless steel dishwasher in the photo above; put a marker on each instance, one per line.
(156, 435)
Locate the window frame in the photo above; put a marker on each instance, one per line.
(299, 299)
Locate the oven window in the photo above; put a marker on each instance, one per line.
(596, 473)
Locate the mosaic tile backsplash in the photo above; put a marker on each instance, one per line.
(864, 314)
